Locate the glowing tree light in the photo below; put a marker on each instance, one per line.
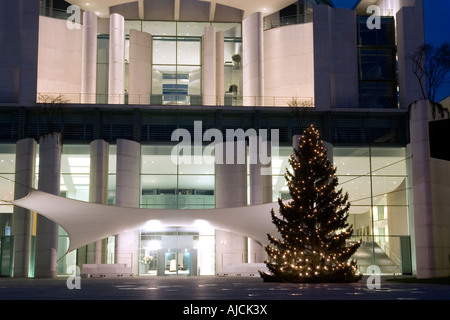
(313, 229)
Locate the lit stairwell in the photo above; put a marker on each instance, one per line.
(370, 253)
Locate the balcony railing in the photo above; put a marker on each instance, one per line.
(57, 13)
(176, 100)
(287, 21)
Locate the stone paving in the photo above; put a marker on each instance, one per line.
(211, 288)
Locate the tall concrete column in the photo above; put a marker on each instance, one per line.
(430, 189)
(260, 192)
(231, 191)
(98, 187)
(89, 58)
(46, 254)
(220, 68)
(260, 177)
(22, 218)
(140, 68)
(209, 66)
(116, 84)
(253, 60)
(410, 35)
(128, 195)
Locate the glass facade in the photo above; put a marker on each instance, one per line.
(102, 69)
(376, 181)
(377, 55)
(177, 251)
(375, 178)
(7, 169)
(177, 61)
(167, 185)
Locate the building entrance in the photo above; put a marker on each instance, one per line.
(177, 263)
(172, 251)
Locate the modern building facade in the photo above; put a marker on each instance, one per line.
(91, 100)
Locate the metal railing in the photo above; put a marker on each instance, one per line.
(287, 21)
(57, 13)
(176, 100)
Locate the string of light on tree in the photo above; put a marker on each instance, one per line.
(314, 234)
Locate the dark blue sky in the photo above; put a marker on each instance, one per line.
(437, 27)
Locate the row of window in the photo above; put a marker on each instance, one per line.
(377, 64)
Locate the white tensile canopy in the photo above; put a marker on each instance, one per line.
(87, 222)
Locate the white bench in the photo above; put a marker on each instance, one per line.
(106, 270)
(243, 269)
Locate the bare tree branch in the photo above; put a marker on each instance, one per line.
(431, 67)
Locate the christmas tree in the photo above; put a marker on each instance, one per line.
(313, 229)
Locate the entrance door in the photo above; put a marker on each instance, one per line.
(177, 263)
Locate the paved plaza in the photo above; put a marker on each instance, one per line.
(217, 297)
(212, 288)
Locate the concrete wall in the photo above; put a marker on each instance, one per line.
(116, 83)
(46, 245)
(253, 59)
(89, 58)
(209, 68)
(410, 35)
(336, 58)
(128, 195)
(431, 187)
(22, 219)
(289, 63)
(60, 55)
(19, 25)
(230, 191)
(140, 69)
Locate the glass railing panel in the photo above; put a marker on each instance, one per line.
(391, 254)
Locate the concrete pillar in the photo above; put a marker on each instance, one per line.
(260, 181)
(335, 58)
(209, 66)
(231, 191)
(89, 58)
(410, 35)
(220, 68)
(253, 60)
(140, 68)
(98, 187)
(260, 192)
(46, 254)
(128, 195)
(116, 84)
(431, 203)
(422, 195)
(22, 218)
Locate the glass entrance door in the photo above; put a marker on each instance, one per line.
(177, 263)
